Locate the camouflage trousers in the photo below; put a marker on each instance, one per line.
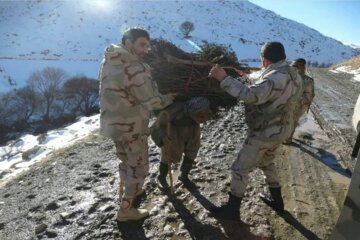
(298, 114)
(254, 153)
(134, 165)
(348, 224)
(182, 140)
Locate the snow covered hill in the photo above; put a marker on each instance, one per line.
(75, 32)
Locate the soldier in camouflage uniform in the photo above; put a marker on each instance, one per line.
(184, 135)
(348, 224)
(127, 95)
(270, 105)
(307, 96)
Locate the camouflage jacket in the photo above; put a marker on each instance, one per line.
(270, 102)
(309, 91)
(356, 123)
(356, 116)
(127, 94)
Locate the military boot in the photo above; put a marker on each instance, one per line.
(161, 179)
(275, 199)
(229, 211)
(129, 213)
(185, 168)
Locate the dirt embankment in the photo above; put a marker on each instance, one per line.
(73, 194)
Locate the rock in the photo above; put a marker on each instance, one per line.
(51, 234)
(106, 208)
(149, 235)
(168, 228)
(64, 215)
(52, 206)
(91, 143)
(40, 228)
(181, 226)
(155, 210)
(27, 154)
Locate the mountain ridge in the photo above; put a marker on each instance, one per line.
(80, 30)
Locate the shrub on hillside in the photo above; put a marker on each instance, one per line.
(82, 93)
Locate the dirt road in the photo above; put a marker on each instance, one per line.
(73, 194)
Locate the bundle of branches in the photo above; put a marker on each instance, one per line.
(187, 73)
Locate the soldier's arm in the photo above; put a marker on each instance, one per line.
(309, 93)
(253, 94)
(144, 89)
(312, 88)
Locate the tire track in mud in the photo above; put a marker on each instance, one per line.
(333, 105)
(313, 192)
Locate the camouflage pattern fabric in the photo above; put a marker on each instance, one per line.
(307, 97)
(270, 108)
(304, 104)
(127, 95)
(309, 91)
(356, 115)
(348, 224)
(254, 153)
(134, 165)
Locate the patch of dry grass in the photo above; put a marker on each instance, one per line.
(354, 63)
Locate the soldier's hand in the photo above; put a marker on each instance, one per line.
(243, 75)
(239, 72)
(218, 73)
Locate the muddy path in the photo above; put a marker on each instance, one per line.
(335, 97)
(73, 194)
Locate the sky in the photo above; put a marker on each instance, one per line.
(338, 19)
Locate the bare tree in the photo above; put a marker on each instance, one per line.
(4, 123)
(25, 103)
(17, 106)
(186, 27)
(84, 92)
(48, 83)
(7, 112)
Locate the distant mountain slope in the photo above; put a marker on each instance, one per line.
(80, 30)
(353, 63)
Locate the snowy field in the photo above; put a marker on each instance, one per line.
(348, 69)
(19, 155)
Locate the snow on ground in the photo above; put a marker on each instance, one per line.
(348, 69)
(22, 153)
